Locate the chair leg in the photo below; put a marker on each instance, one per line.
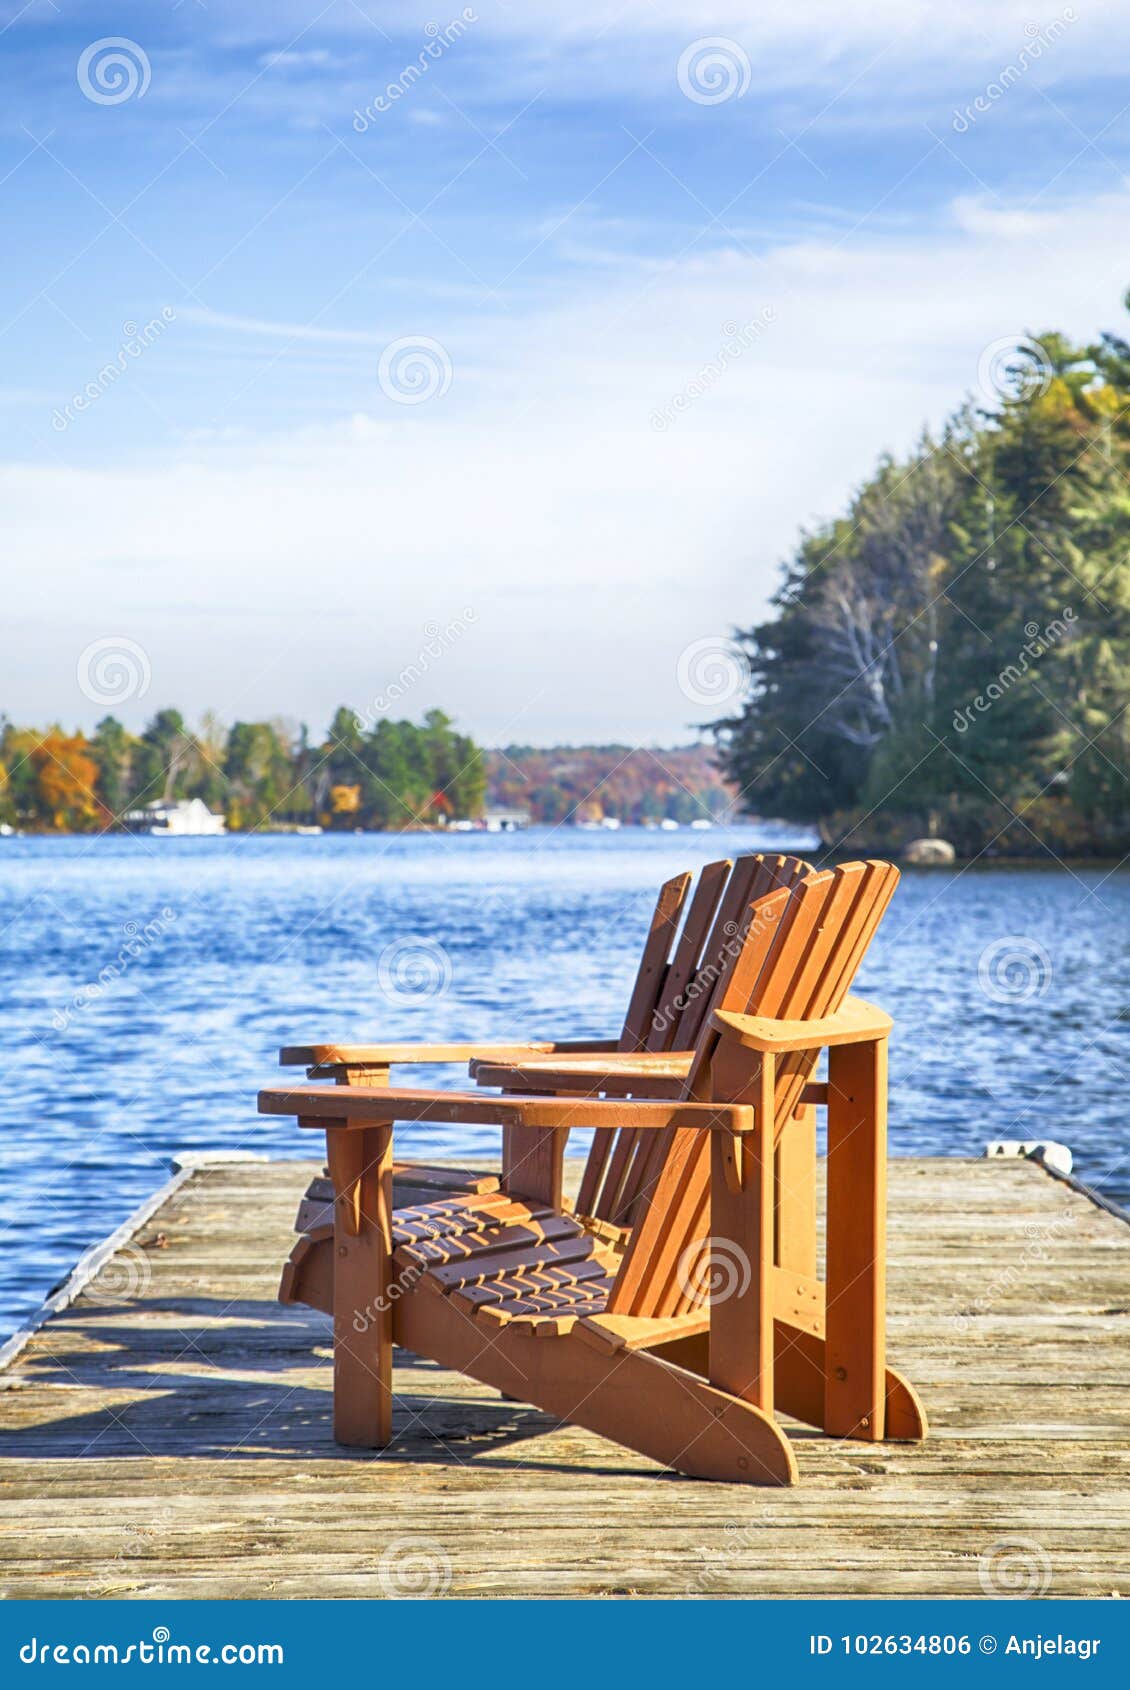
(796, 1194)
(742, 1193)
(533, 1162)
(360, 1162)
(855, 1320)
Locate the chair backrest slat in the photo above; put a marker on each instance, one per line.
(680, 976)
(650, 978)
(749, 873)
(764, 875)
(652, 972)
(754, 879)
(801, 952)
(688, 955)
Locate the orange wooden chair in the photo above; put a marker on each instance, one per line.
(685, 949)
(684, 1336)
(688, 946)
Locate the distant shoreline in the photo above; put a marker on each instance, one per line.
(821, 855)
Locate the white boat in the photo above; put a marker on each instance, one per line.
(180, 818)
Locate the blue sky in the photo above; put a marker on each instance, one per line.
(666, 302)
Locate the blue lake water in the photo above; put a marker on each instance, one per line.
(148, 985)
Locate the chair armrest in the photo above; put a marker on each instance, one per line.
(385, 1056)
(856, 1022)
(616, 1074)
(330, 1059)
(361, 1106)
(582, 1047)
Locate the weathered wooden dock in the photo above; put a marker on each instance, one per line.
(168, 1433)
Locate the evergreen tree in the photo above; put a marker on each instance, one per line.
(952, 655)
(113, 749)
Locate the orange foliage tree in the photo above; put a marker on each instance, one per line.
(65, 779)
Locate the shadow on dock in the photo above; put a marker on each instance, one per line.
(206, 1379)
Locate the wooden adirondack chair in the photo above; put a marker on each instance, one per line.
(628, 1333)
(681, 971)
(684, 951)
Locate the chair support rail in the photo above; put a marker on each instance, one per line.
(353, 1108)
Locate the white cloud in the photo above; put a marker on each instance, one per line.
(272, 330)
(311, 58)
(1005, 223)
(624, 50)
(297, 569)
(826, 28)
(602, 46)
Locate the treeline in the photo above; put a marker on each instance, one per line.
(389, 775)
(951, 655)
(254, 774)
(590, 783)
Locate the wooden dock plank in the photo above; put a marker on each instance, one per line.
(175, 1441)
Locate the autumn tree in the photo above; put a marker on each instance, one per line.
(66, 775)
(953, 654)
